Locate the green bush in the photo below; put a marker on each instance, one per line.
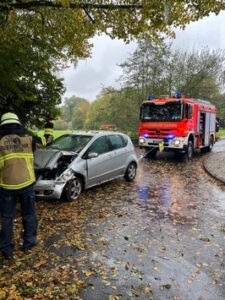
(221, 133)
(134, 136)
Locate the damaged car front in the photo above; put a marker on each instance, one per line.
(56, 166)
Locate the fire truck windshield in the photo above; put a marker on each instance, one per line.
(170, 111)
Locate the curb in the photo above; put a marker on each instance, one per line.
(214, 165)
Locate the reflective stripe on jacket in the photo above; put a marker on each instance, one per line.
(49, 131)
(43, 142)
(16, 162)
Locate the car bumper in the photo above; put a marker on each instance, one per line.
(48, 189)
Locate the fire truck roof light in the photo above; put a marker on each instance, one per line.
(178, 94)
(150, 97)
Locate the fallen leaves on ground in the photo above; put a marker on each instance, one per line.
(120, 232)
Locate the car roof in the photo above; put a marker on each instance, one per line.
(94, 133)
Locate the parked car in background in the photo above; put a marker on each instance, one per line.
(77, 161)
(107, 126)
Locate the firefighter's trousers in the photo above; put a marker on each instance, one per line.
(8, 201)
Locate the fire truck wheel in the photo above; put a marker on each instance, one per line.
(189, 151)
(211, 143)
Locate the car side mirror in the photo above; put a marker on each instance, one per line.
(92, 155)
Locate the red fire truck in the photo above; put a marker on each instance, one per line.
(177, 124)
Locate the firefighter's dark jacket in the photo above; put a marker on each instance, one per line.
(16, 157)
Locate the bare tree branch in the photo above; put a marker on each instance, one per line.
(89, 16)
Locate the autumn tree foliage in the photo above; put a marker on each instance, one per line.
(117, 107)
(161, 70)
(73, 113)
(157, 70)
(79, 115)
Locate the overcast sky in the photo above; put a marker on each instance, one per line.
(102, 70)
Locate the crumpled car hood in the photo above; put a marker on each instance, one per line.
(47, 158)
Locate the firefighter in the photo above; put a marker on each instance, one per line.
(48, 132)
(16, 183)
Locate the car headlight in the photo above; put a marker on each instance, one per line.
(141, 140)
(65, 176)
(176, 143)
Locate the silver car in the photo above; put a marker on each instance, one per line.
(80, 160)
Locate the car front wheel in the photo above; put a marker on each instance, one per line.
(73, 189)
(131, 172)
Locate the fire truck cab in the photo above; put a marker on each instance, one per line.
(177, 124)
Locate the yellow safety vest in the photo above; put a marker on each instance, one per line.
(48, 131)
(48, 134)
(43, 142)
(16, 162)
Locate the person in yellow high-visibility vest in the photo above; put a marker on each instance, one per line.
(48, 132)
(16, 182)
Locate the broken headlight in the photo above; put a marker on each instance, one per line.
(65, 176)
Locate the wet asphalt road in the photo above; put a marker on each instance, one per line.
(160, 237)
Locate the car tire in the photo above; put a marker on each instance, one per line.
(131, 172)
(72, 190)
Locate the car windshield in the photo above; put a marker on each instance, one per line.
(68, 142)
(170, 111)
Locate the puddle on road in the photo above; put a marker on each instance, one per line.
(168, 191)
(145, 195)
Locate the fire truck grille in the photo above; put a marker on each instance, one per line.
(159, 132)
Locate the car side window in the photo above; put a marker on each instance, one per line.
(100, 146)
(117, 141)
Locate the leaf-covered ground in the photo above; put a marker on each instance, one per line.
(161, 237)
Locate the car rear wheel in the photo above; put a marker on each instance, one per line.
(131, 172)
(73, 189)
